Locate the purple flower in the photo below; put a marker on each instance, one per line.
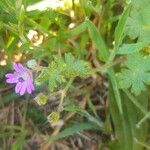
(23, 79)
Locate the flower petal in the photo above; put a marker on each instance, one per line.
(12, 80)
(32, 86)
(21, 67)
(29, 90)
(15, 66)
(10, 75)
(23, 88)
(18, 67)
(31, 77)
(18, 87)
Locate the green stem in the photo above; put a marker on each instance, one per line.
(142, 144)
(134, 101)
(147, 116)
(63, 94)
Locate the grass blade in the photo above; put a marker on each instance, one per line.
(73, 130)
(119, 32)
(98, 41)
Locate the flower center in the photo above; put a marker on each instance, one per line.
(23, 77)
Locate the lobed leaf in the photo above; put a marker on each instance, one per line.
(138, 25)
(62, 69)
(136, 74)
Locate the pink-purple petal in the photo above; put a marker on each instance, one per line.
(29, 90)
(18, 67)
(15, 66)
(23, 88)
(21, 68)
(10, 75)
(32, 86)
(12, 80)
(18, 87)
(31, 77)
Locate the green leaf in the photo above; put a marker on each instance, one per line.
(21, 15)
(120, 29)
(103, 54)
(121, 129)
(36, 115)
(92, 107)
(75, 67)
(131, 48)
(18, 144)
(115, 87)
(135, 102)
(55, 78)
(51, 74)
(79, 127)
(139, 5)
(98, 41)
(87, 6)
(36, 26)
(125, 123)
(138, 25)
(136, 74)
(78, 29)
(74, 108)
(62, 69)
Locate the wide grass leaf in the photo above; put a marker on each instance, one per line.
(79, 127)
(120, 29)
